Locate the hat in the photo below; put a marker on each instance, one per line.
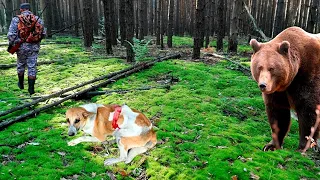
(25, 6)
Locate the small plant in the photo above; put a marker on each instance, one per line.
(140, 48)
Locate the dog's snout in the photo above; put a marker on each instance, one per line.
(71, 133)
(262, 86)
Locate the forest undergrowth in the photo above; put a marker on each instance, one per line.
(210, 124)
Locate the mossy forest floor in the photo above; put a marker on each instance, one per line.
(211, 124)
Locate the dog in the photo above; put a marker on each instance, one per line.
(132, 130)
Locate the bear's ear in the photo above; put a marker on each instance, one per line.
(255, 45)
(284, 47)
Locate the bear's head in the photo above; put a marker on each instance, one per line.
(270, 65)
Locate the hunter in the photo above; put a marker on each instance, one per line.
(26, 30)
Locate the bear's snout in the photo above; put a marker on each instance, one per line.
(263, 86)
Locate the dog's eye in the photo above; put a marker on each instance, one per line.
(77, 120)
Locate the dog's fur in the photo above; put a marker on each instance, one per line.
(135, 132)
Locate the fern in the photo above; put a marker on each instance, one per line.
(140, 48)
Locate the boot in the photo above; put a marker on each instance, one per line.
(21, 78)
(31, 82)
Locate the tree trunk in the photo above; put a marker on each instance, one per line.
(162, 22)
(95, 17)
(158, 22)
(208, 22)
(177, 24)
(141, 7)
(107, 25)
(9, 8)
(233, 36)
(88, 26)
(220, 24)
(130, 30)
(47, 16)
(76, 17)
(151, 10)
(313, 17)
(114, 24)
(278, 23)
(170, 24)
(200, 11)
(122, 19)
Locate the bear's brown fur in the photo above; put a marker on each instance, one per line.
(287, 70)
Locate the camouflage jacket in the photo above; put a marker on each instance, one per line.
(13, 35)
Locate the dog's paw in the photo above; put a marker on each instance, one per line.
(111, 161)
(72, 143)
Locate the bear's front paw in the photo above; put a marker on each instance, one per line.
(269, 147)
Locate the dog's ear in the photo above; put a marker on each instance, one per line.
(87, 114)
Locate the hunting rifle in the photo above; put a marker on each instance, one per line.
(13, 49)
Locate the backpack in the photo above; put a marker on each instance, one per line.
(29, 28)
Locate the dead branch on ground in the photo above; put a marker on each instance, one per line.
(118, 75)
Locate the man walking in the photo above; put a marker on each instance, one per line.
(26, 30)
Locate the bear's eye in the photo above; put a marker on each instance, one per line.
(260, 68)
(68, 120)
(271, 69)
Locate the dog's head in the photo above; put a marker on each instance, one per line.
(77, 118)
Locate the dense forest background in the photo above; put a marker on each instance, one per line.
(201, 19)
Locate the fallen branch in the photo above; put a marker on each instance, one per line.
(256, 28)
(6, 66)
(243, 68)
(62, 29)
(111, 80)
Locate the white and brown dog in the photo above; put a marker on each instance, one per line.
(132, 130)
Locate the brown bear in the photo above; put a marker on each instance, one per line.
(287, 70)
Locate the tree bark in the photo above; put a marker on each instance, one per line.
(313, 16)
(76, 17)
(200, 11)
(278, 23)
(114, 24)
(170, 24)
(9, 13)
(122, 19)
(220, 35)
(95, 17)
(233, 36)
(130, 30)
(177, 22)
(158, 22)
(88, 26)
(107, 25)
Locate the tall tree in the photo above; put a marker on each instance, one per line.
(170, 23)
(233, 36)
(107, 25)
(130, 30)
(9, 11)
(95, 17)
(158, 22)
(114, 24)
(313, 17)
(47, 16)
(278, 23)
(177, 21)
(199, 30)
(122, 20)
(77, 18)
(87, 25)
(220, 35)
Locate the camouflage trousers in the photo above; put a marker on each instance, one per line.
(28, 59)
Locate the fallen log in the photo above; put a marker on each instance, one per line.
(137, 68)
(7, 66)
(242, 68)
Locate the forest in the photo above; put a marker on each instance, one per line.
(185, 64)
